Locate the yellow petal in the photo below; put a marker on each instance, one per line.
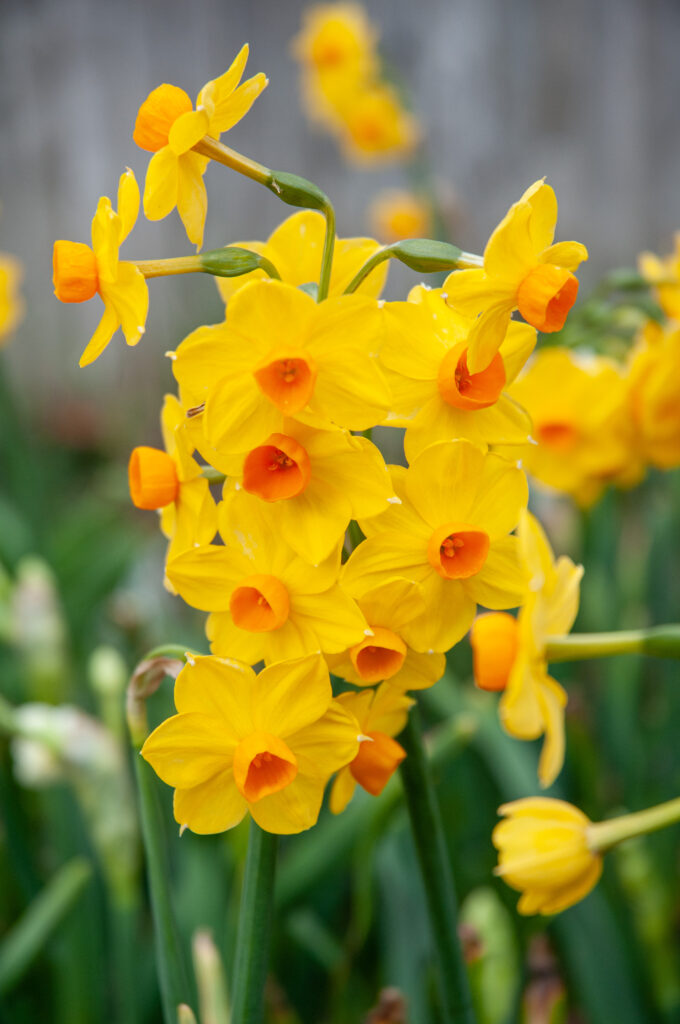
(543, 202)
(381, 558)
(192, 199)
(188, 749)
(231, 109)
(500, 583)
(204, 577)
(389, 710)
(487, 333)
(333, 616)
(292, 809)
(212, 806)
(419, 671)
(325, 745)
(502, 494)
(342, 791)
(444, 480)
(472, 291)
(221, 88)
(217, 689)
(552, 700)
(161, 187)
(187, 130)
(107, 327)
(516, 347)
(291, 695)
(565, 254)
(128, 203)
(238, 417)
(228, 641)
(129, 298)
(449, 615)
(105, 240)
(510, 252)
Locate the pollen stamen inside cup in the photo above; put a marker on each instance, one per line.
(378, 657)
(458, 551)
(260, 604)
(277, 469)
(288, 382)
(465, 390)
(263, 764)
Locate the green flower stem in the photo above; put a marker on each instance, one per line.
(254, 926)
(658, 642)
(173, 973)
(222, 154)
(213, 476)
(230, 261)
(327, 257)
(435, 868)
(421, 254)
(605, 834)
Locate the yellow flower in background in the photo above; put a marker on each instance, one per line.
(172, 482)
(308, 484)
(544, 853)
(279, 353)
(522, 270)
(510, 654)
(385, 655)
(396, 214)
(11, 303)
(664, 274)
(80, 272)
(336, 37)
(450, 535)
(581, 423)
(295, 248)
(243, 743)
(266, 601)
(376, 128)
(168, 126)
(654, 390)
(435, 396)
(381, 714)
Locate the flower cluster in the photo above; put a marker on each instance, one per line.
(345, 89)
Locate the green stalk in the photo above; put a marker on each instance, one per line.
(658, 642)
(435, 868)
(327, 257)
(254, 926)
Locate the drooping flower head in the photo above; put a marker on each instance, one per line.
(510, 654)
(243, 743)
(522, 270)
(450, 534)
(172, 482)
(435, 395)
(168, 126)
(381, 715)
(543, 851)
(81, 271)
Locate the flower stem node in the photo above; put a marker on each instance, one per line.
(152, 476)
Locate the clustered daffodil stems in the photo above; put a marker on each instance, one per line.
(424, 255)
(289, 188)
(435, 868)
(254, 927)
(657, 641)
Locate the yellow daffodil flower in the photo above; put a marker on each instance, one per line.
(396, 214)
(266, 601)
(544, 851)
(336, 37)
(385, 655)
(168, 126)
(309, 483)
(375, 127)
(654, 390)
(522, 270)
(279, 353)
(510, 654)
(11, 303)
(581, 424)
(243, 743)
(664, 274)
(172, 482)
(381, 715)
(81, 272)
(450, 535)
(435, 396)
(295, 248)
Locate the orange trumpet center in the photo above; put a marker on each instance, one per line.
(546, 295)
(277, 469)
(157, 114)
(260, 604)
(556, 434)
(494, 639)
(75, 275)
(379, 656)
(377, 760)
(466, 390)
(263, 764)
(288, 382)
(458, 551)
(152, 476)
